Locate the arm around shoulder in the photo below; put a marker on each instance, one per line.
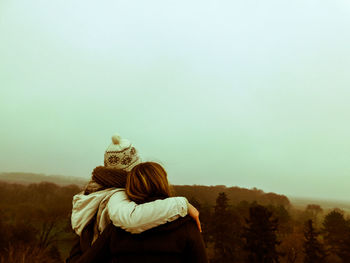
(136, 218)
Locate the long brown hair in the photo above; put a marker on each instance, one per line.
(146, 182)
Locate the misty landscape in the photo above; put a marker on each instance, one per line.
(245, 105)
(239, 225)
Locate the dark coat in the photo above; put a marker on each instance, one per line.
(175, 242)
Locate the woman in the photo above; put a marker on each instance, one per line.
(175, 242)
(104, 201)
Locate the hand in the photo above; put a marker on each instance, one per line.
(193, 212)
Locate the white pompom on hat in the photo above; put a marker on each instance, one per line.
(121, 154)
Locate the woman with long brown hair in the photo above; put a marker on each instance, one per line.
(178, 241)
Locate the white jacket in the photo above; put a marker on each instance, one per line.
(113, 205)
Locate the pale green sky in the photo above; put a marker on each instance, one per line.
(249, 93)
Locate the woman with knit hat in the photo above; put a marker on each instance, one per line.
(104, 201)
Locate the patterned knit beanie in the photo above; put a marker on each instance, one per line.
(121, 154)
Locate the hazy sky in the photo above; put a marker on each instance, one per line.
(244, 93)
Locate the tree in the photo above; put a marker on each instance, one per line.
(292, 246)
(260, 236)
(313, 211)
(336, 234)
(314, 250)
(282, 214)
(222, 231)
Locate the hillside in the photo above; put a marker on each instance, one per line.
(204, 194)
(29, 178)
(43, 204)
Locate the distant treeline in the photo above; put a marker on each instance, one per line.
(208, 194)
(30, 178)
(239, 225)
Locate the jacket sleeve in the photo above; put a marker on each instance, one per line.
(195, 251)
(136, 218)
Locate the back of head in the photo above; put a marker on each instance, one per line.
(146, 182)
(119, 158)
(121, 154)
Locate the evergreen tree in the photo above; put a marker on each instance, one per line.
(222, 231)
(337, 234)
(314, 251)
(260, 236)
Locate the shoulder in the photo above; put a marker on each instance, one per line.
(191, 226)
(179, 225)
(118, 195)
(118, 192)
(190, 231)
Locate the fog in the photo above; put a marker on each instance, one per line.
(247, 93)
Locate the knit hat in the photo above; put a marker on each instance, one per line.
(121, 154)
